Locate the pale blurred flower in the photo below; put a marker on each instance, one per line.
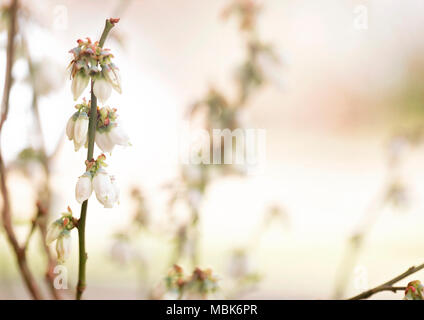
(121, 251)
(238, 265)
(271, 68)
(53, 232)
(397, 147)
(63, 247)
(195, 198)
(193, 173)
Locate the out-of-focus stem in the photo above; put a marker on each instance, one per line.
(45, 195)
(10, 55)
(110, 23)
(20, 252)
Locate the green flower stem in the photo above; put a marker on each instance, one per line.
(91, 137)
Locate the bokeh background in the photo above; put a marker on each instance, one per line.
(350, 101)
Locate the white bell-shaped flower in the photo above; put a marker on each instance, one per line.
(83, 188)
(53, 232)
(70, 127)
(80, 130)
(104, 142)
(112, 75)
(102, 89)
(63, 247)
(79, 83)
(117, 135)
(104, 189)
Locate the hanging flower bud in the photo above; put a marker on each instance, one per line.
(63, 247)
(117, 135)
(80, 130)
(53, 231)
(103, 142)
(102, 89)
(79, 83)
(83, 188)
(70, 127)
(111, 73)
(414, 291)
(104, 189)
(60, 226)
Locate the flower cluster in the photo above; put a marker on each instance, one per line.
(96, 178)
(198, 285)
(77, 126)
(109, 131)
(60, 231)
(91, 60)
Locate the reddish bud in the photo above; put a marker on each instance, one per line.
(114, 20)
(180, 282)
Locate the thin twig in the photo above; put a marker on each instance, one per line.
(388, 286)
(18, 250)
(10, 56)
(31, 232)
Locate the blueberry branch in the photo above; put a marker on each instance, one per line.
(110, 23)
(388, 286)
